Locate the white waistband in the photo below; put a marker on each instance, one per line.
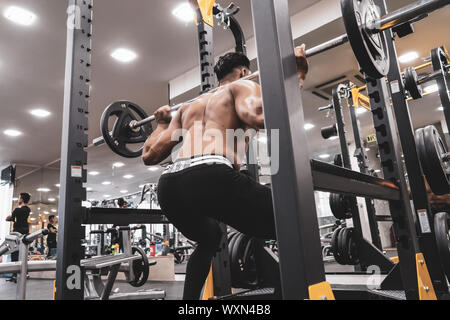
(189, 163)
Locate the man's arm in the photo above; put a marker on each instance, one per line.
(302, 64)
(248, 103)
(159, 145)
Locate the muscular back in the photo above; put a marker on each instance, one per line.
(202, 125)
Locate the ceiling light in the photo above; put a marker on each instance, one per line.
(94, 173)
(57, 185)
(408, 57)
(40, 113)
(106, 196)
(184, 12)
(124, 55)
(32, 219)
(89, 189)
(324, 156)
(51, 199)
(441, 108)
(377, 171)
(20, 16)
(54, 210)
(123, 191)
(432, 88)
(46, 212)
(15, 199)
(118, 165)
(106, 183)
(309, 126)
(153, 169)
(43, 190)
(128, 176)
(12, 133)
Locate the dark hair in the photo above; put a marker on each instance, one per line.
(121, 202)
(229, 62)
(25, 197)
(50, 218)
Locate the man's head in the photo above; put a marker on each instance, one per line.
(52, 219)
(24, 198)
(232, 66)
(122, 203)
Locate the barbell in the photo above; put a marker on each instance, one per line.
(364, 26)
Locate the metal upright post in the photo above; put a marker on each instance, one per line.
(22, 275)
(69, 275)
(297, 227)
(362, 160)
(391, 161)
(424, 216)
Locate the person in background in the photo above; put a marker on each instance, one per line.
(122, 203)
(51, 238)
(19, 217)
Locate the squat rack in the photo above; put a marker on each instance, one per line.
(301, 266)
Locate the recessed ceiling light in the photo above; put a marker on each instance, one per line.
(324, 156)
(378, 171)
(184, 12)
(46, 212)
(15, 199)
(43, 190)
(123, 191)
(441, 108)
(32, 219)
(106, 196)
(408, 57)
(57, 185)
(124, 55)
(51, 199)
(12, 133)
(118, 165)
(153, 169)
(54, 210)
(40, 113)
(20, 16)
(106, 183)
(309, 126)
(94, 173)
(89, 189)
(128, 176)
(432, 88)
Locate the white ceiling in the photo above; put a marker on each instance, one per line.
(32, 73)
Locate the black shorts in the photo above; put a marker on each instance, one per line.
(196, 198)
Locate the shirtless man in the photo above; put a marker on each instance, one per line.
(204, 186)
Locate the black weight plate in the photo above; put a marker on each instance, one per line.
(249, 264)
(421, 150)
(121, 135)
(231, 235)
(335, 246)
(411, 78)
(231, 244)
(435, 148)
(340, 206)
(442, 234)
(236, 256)
(141, 268)
(370, 48)
(342, 246)
(352, 247)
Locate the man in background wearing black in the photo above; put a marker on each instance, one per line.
(51, 238)
(20, 219)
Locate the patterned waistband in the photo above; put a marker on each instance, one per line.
(181, 165)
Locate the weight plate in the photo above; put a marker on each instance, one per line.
(442, 234)
(340, 206)
(342, 246)
(352, 247)
(335, 246)
(141, 268)
(236, 258)
(421, 151)
(411, 78)
(122, 135)
(249, 265)
(435, 149)
(231, 244)
(370, 48)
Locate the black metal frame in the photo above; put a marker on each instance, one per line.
(73, 155)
